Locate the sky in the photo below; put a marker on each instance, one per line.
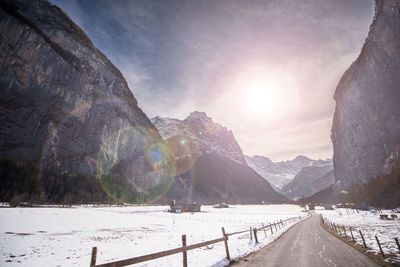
(267, 70)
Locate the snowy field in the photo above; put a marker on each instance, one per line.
(65, 236)
(370, 225)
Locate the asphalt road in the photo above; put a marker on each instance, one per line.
(307, 244)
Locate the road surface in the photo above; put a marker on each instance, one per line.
(307, 244)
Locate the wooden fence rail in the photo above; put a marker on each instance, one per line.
(160, 254)
(334, 227)
(186, 248)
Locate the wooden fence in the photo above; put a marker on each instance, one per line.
(341, 230)
(185, 248)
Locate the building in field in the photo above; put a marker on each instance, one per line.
(183, 207)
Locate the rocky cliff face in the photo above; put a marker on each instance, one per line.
(323, 182)
(64, 107)
(366, 124)
(199, 130)
(210, 165)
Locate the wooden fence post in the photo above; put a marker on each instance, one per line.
(255, 235)
(362, 238)
(251, 234)
(344, 229)
(379, 244)
(270, 227)
(276, 229)
(264, 229)
(397, 242)
(340, 232)
(94, 256)
(184, 252)
(226, 245)
(351, 232)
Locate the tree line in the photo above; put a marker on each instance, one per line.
(381, 192)
(23, 183)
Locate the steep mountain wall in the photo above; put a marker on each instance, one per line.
(322, 183)
(366, 124)
(64, 107)
(214, 178)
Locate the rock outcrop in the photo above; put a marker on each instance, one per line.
(366, 124)
(64, 107)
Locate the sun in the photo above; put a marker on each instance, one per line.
(262, 98)
(264, 95)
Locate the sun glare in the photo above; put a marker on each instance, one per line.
(266, 96)
(262, 98)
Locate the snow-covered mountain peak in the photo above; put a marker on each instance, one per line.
(278, 174)
(204, 124)
(198, 115)
(302, 159)
(198, 128)
(262, 159)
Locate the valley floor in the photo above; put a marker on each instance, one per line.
(65, 236)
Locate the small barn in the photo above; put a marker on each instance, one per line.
(221, 206)
(183, 207)
(384, 217)
(311, 207)
(328, 207)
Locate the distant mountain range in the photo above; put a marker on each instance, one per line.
(210, 165)
(309, 177)
(223, 171)
(295, 178)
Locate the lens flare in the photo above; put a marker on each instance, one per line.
(159, 154)
(134, 179)
(119, 164)
(185, 148)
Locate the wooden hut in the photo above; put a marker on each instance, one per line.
(183, 207)
(221, 206)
